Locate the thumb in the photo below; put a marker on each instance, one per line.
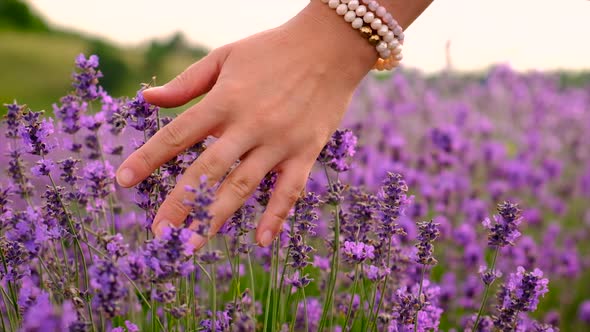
(194, 81)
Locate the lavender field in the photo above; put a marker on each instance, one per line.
(444, 204)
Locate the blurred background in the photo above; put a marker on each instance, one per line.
(140, 39)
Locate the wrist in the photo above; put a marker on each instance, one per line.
(333, 40)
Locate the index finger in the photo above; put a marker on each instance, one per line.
(186, 130)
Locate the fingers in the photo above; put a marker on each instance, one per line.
(288, 189)
(213, 163)
(187, 129)
(240, 185)
(191, 83)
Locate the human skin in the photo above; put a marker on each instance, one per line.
(273, 101)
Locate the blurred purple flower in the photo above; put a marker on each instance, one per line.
(108, 287)
(357, 252)
(168, 256)
(584, 312)
(203, 197)
(341, 146)
(43, 316)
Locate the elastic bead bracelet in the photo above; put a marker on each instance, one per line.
(376, 25)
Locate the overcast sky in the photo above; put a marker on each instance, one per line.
(527, 34)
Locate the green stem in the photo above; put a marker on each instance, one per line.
(294, 318)
(275, 280)
(44, 266)
(76, 239)
(374, 319)
(419, 298)
(2, 318)
(486, 291)
(252, 287)
(6, 298)
(213, 290)
(305, 309)
(349, 311)
(235, 271)
(10, 288)
(270, 288)
(285, 265)
(335, 261)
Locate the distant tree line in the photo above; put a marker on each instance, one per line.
(15, 14)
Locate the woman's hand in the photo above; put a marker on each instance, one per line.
(274, 100)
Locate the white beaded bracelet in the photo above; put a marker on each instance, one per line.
(376, 25)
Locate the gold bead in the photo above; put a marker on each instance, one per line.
(374, 40)
(366, 31)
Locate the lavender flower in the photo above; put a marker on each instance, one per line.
(428, 233)
(584, 311)
(164, 293)
(15, 258)
(375, 273)
(107, 284)
(240, 224)
(168, 257)
(129, 327)
(298, 281)
(145, 191)
(392, 201)
(488, 276)
(264, 190)
(141, 113)
(55, 216)
(520, 294)
(35, 133)
(199, 205)
(13, 119)
(358, 252)
(342, 145)
(115, 246)
(68, 170)
(134, 267)
(305, 218)
(28, 293)
(407, 306)
(314, 313)
(16, 171)
(358, 223)
(97, 182)
(27, 230)
(43, 316)
(69, 113)
(86, 77)
(43, 167)
(223, 320)
(504, 230)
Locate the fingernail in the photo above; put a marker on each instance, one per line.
(197, 241)
(266, 238)
(125, 177)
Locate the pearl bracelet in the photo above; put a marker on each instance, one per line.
(376, 25)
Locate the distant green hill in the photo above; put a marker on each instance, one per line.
(36, 61)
